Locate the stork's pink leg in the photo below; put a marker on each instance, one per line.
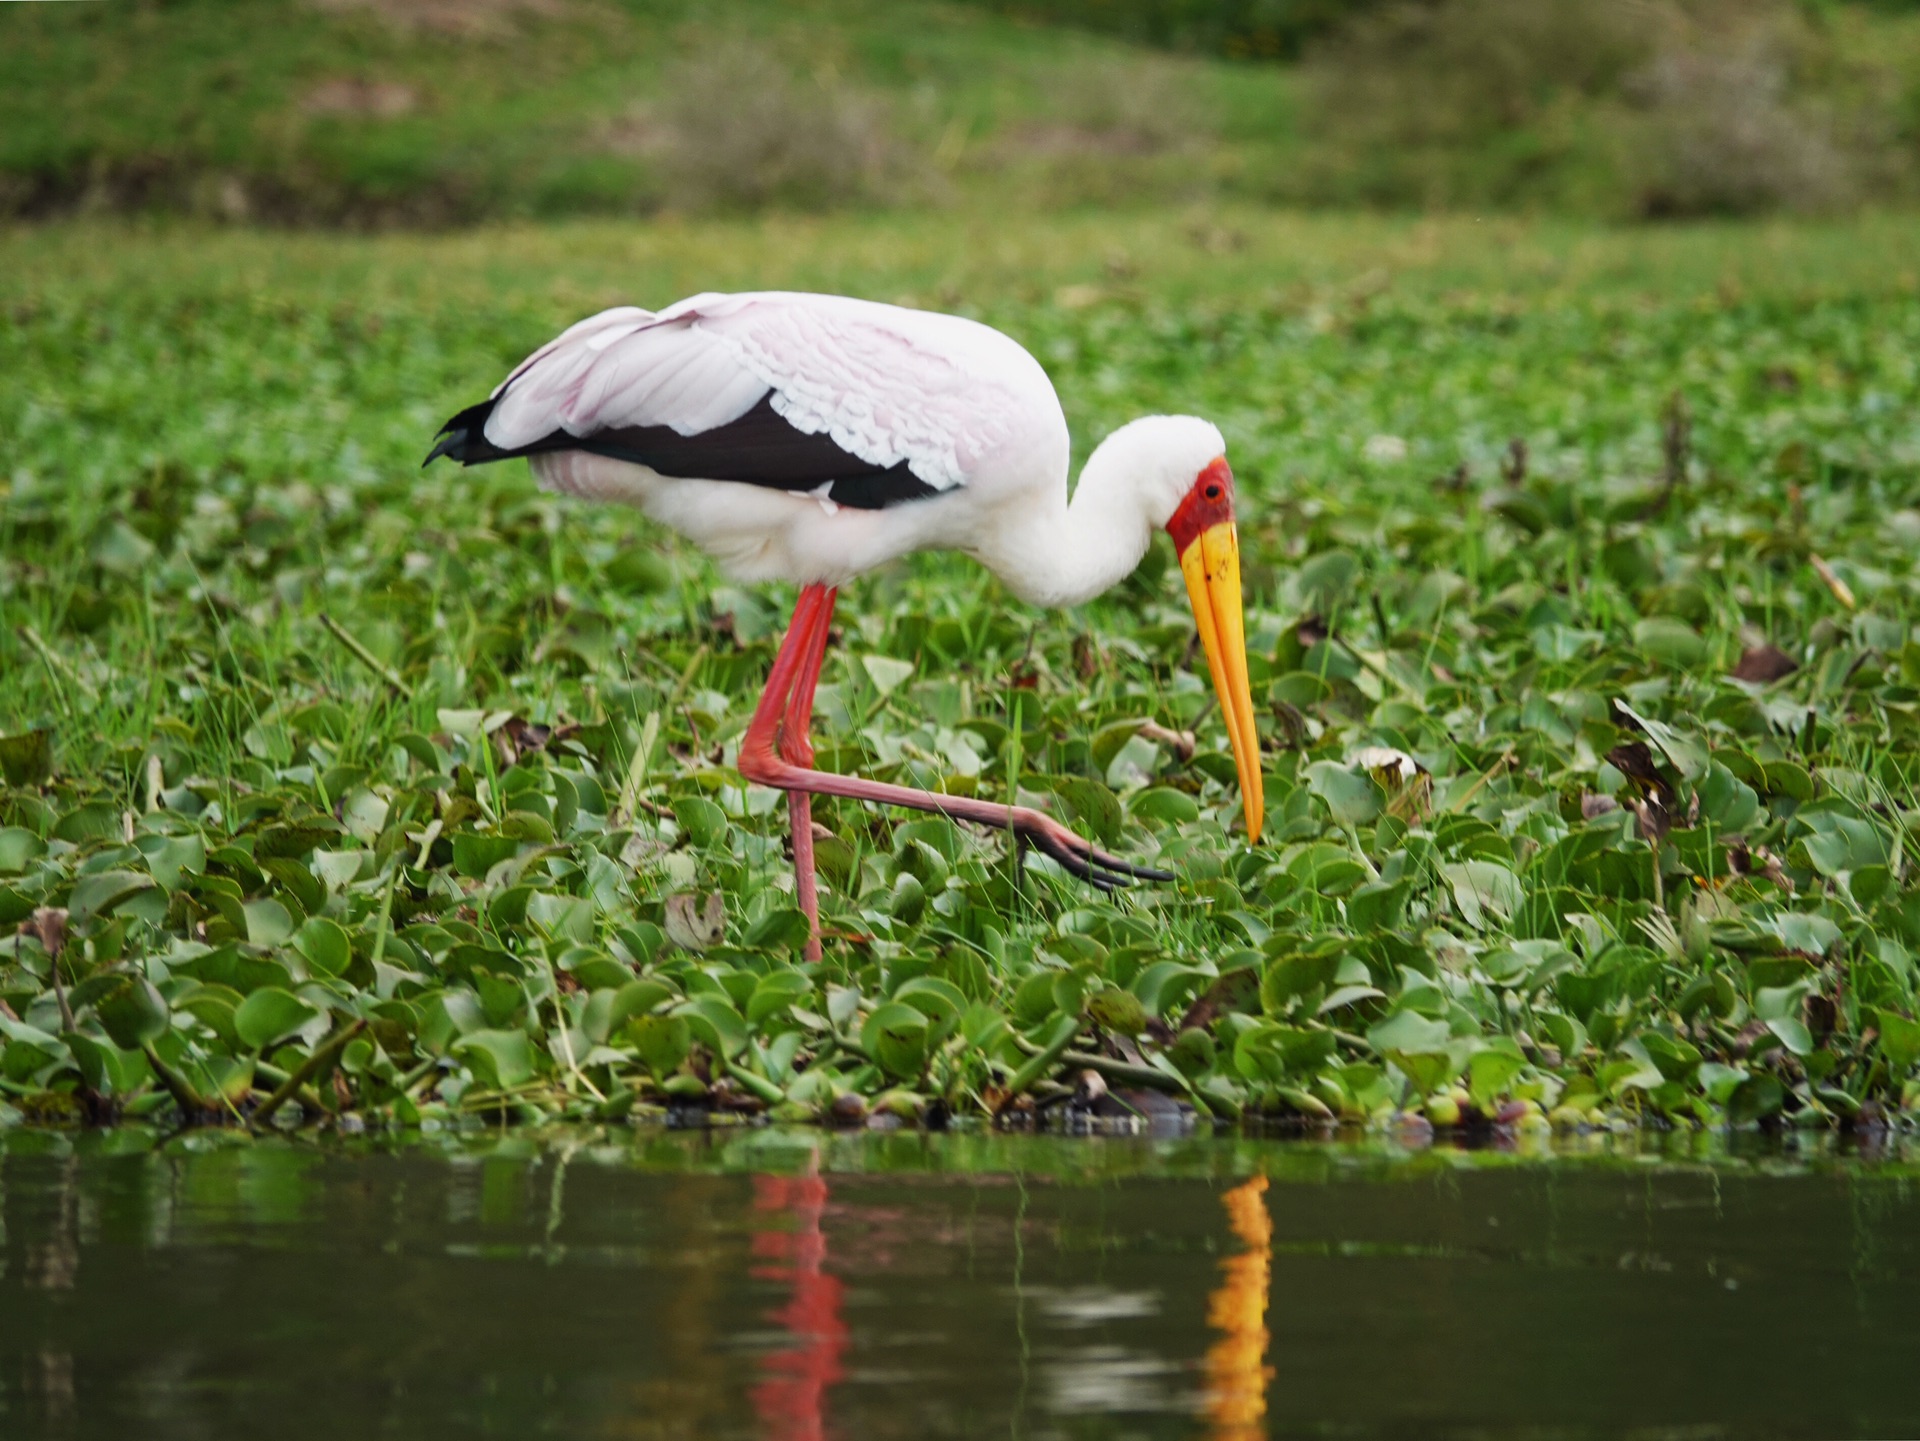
(796, 747)
(761, 761)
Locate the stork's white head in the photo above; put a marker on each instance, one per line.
(1159, 459)
(1174, 468)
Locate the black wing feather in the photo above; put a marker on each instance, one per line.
(760, 448)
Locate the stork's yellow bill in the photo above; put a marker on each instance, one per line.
(1208, 542)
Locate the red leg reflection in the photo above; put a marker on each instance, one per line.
(790, 1397)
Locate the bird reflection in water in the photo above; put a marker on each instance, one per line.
(1237, 1373)
(790, 1397)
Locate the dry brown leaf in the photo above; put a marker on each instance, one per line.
(1764, 664)
(695, 929)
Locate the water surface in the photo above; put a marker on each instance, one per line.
(791, 1284)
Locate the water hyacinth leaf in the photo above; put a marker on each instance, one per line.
(662, 1042)
(26, 759)
(133, 1013)
(1793, 1034)
(215, 1007)
(99, 894)
(704, 822)
(1409, 1032)
(1718, 1082)
(1354, 797)
(324, 945)
(1166, 985)
(888, 673)
(895, 1035)
(1288, 976)
(716, 1024)
(172, 860)
(1682, 749)
(1799, 931)
(1273, 1052)
(104, 1066)
(499, 1059)
(268, 922)
(934, 998)
(270, 1015)
(1193, 1051)
(1485, 891)
(18, 846)
(785, 928)
(636, 998)
(476, 855)
(1842, 844)
(1670, 642)
(1118, 1011)
(775, 993)
(1898, 1042)
(562, 917)
(1491, 1071)
(1165, 805)
(1093, 805)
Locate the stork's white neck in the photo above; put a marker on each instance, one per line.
(1059, 553)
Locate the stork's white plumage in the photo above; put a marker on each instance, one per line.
(811, 438)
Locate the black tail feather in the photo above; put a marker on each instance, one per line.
(464, 438)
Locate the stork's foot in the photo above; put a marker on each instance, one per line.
(1081, 857)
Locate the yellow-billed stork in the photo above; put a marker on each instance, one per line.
(811, 438)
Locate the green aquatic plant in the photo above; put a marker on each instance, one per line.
(334, 789)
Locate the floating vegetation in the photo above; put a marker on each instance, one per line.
(337, 792)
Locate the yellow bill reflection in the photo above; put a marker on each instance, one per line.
(1237, 1373)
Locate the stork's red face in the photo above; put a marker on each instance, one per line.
(1209, 545)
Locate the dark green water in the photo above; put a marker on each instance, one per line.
(793, 1285)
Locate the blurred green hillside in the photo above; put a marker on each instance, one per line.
(434, 112)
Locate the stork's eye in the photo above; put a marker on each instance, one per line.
(1213, 492)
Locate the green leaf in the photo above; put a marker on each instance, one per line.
(27, 759)
(324, 946)
(784, 928)
(1719, 1082)
(716, 1024)
(1793, 1034)
(1485, 891)
(887, 673)
(663, 1042)
(635, 998)
(1118, 1011)
(934, 998)
(475, 855)
(133, 1013)
(1290, 976)
(775, 992)
(1166, 985)
(1899, 1041)
(1409, 1032)
(98, 894)
(895, 1035)
(268, 923)
(564, 918)
(498, 1059)
(1354, 797)
(1165, 805)
(1093, 805)
(269, 1015)
(1671, 642)
(703, 821)
(17, 848)
(1490, 1072)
